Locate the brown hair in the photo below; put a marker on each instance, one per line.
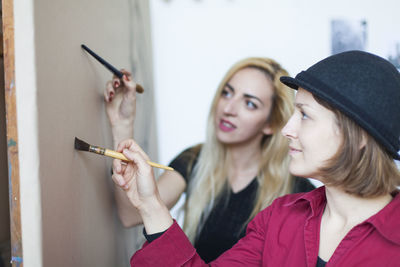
(362, 170)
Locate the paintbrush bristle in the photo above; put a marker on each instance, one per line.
(81, 145)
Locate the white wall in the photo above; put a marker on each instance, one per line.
(195, 42)
(28, 143)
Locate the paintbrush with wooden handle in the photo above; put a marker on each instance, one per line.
(82, 145)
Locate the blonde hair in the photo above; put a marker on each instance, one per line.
(210, 173)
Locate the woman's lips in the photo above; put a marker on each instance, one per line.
(226, 126)
(293, 150)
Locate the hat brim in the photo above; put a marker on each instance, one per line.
(291, 82)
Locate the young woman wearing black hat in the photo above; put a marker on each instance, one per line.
(344, 132)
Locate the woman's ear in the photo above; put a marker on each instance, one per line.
(267, 130)
(363, 141)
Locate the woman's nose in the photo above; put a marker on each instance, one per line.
(231, 107)
(289, 130)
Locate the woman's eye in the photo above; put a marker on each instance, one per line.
(226, 93)
(303, 116)
(251, 104)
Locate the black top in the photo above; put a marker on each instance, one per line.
(224, 226)
(321, 262)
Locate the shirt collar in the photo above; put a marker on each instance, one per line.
(387, 220)
(315, 198)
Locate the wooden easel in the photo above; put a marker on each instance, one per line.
(12, 132)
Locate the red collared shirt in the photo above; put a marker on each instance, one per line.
(287, 234)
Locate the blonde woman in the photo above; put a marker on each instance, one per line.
(241, 167)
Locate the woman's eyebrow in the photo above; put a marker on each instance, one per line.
(245, 95)
(305, 107)
(230, 87)
(300, 105)
(254, 97)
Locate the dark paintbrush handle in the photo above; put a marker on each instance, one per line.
(105, 63)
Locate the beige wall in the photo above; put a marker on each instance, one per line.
(75, 214)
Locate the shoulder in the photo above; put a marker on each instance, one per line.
(279, 205)
(288, 200)
(286, 209)
(193, 151)
(190, 153)
(296, 202)
(185, 161)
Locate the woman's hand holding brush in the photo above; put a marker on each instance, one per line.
(120, 100)
(136, 178)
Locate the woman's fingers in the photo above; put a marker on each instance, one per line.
(118, 166)
(126, 83)
(122, 173)
(116, 82)
(109, 92)
(136, 177)
(130, 174)
(124, 144)
(127, 74)
(119, 180)
(129, 83)
(117, 173)
(131, 145)
(137, 157)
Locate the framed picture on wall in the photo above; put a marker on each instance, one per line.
(348, 35)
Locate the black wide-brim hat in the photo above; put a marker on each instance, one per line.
(364, 87)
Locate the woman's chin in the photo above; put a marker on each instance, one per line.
(298, 171)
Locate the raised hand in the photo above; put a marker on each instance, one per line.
(120, 98)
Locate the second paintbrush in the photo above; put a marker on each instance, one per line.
(110, 67)
(82, 145)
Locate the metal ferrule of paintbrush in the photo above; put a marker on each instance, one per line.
(107, 152)
(97, 149)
